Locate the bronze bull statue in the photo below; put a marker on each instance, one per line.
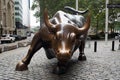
(60, 37)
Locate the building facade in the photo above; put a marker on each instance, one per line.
(7, 20)
(22, 17)
(18, 13)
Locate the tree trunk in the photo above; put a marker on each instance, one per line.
(42, 7)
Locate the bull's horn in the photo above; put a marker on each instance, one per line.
(86, 26)
(46, 20)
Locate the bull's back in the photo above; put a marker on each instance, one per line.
(62, 17)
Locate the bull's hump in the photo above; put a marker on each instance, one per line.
(60, 15)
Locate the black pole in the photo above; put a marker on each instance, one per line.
(95, 46)
(113, 44)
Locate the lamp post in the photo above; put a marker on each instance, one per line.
(76, 4)
(106, 23)
(1, 27)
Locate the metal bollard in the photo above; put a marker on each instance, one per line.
(113, 45)
(88, 42)
(95, 46)
(119, 45)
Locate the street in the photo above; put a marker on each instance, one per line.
(101, 65)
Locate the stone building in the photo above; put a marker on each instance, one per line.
(7, 20)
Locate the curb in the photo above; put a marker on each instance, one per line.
(8, 47)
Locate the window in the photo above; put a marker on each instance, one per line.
(16, 13)
(17, 19)
(16, 2)
(16, 8)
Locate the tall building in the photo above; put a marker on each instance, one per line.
(18, 13)
(7, 22)
(22, 17)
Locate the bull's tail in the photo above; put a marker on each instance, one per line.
(75, 11)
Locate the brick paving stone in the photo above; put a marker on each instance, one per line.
(101, 65)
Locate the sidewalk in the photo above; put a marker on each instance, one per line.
(101, 65)
(101, 44)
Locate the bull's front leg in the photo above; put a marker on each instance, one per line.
(36, 44)
(82, 56)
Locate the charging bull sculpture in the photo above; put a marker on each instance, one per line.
(60, 37)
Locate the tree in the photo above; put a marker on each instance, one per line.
(38, 5)
(96, 8)
(51, 5)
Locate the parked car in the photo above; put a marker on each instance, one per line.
(7, 38)
(17, 37)
(118, 36)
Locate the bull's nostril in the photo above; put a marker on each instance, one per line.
(69, 51)
(58, 51)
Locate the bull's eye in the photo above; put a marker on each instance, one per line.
(58, 36)
(72, 37)
(58, 51)
(72, 40)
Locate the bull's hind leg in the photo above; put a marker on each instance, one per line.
(35, 45)
(82, 56)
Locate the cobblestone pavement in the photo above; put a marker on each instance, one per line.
(101, 65)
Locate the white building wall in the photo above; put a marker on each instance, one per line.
(26, 13)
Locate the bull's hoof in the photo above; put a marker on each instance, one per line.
(21, 66)
(59, 70)
(82, 58)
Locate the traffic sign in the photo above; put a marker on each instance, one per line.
(111, 19)
(118, 17)
(113, 5)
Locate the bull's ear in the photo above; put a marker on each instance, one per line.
(49, 25)
(86, 26)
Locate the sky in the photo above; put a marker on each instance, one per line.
(33, 22)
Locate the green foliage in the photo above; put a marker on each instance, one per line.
(56, 5)
(96, 8)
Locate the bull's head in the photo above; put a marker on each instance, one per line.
(65, 37)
